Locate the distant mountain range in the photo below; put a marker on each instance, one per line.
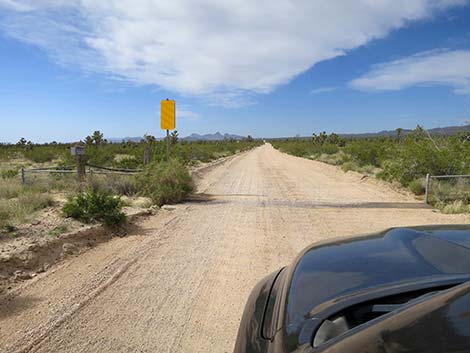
(121, 139)
(193, 137)
(449, 130)
(213, 137)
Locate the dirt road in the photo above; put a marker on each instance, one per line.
(180, 281)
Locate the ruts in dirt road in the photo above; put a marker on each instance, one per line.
(180, 281)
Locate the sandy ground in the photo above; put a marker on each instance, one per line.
(179, 282)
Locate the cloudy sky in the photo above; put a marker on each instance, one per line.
(266, 68)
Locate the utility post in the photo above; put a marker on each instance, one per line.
(167, 121)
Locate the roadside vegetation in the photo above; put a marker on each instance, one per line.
(165, 183)
(403, 159)
(95, 206)
(101, 201)
(125, 154)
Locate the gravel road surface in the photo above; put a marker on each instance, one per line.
(179, 281)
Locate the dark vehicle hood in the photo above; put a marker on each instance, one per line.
(437, 324)
(327, 274)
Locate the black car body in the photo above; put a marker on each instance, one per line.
(403, 290)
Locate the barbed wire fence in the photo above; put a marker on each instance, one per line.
(31, 175)
(447, 188)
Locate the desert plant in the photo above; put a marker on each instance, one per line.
(165, 182)
(23, 208)
(349, 165)
(10, 188)
(9, 228)
(455, 207)
(417, 186)
(91, 206)
(58, 230)
(113, 184)
(9, 173)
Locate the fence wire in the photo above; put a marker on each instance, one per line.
(448, 188)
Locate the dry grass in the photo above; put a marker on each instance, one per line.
(455, 207)
(22, 209)
(10, 188)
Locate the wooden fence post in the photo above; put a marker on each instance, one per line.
(428, 181)
(146, 156)
(81, 172)
(22, 176)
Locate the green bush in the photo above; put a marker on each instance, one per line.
(165, 183)
(129, 162)
(366, 152)
(94, 206)
(347, 166)
(9, 173)
(58, 230)
(417, 186)
(367, 169)
(40, 155)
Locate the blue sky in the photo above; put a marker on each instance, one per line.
(296, 67)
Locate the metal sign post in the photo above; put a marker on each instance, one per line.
(167, 145)
(167, 121)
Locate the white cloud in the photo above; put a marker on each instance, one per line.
(224, 50)
(187, 114)
(323, 90)
(438, 67)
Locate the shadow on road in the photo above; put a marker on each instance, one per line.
(263, 201)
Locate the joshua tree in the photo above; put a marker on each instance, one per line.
(399, 132)
(96, 139)
(174, 137)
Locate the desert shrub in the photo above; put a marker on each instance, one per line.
(9, 228)
(58, 230)
(328, 148)
(366, 152)
(22, 209)
(122, 184)
(113, 184)
(350, 165)
(165, 182)
(455, 207)
(31, 201)
(9, 173)
(334, 159)
(198, 155)
(101, 155)
(40, 155)
(10, 188)
(417, 186)
(61, 182)
(4, 214)
(94, 206)
(367, 169)
(129, 162)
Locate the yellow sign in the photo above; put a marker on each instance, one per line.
(167, 114)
